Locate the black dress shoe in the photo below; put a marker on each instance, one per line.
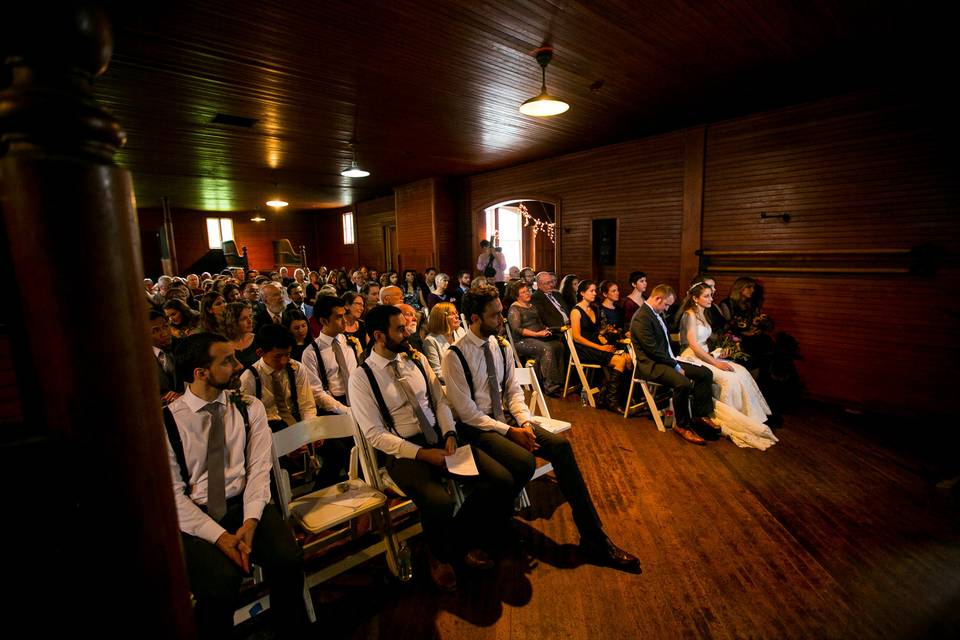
(607, 554)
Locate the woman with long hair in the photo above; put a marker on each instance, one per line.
(534, 340)
(238, 328)
(592, 348)
(611, 314)
(443, 329)
(634, 300)
(569, 290)
(212, 306)
(182, 319)
(231, 292)
(296, 323)
(413, 290)
(741, 409)
(354, 327)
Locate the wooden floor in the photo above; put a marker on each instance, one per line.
(836, 532)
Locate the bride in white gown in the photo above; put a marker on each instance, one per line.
(740, 409)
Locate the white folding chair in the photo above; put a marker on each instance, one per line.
(647, 393)
(527, 378)
(323, 513)
(574, 363)
(513, 345)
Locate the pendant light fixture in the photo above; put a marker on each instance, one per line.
(354, 171)
(544, 104)
(277, 203)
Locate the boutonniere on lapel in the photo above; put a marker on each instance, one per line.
(413, 354)
(239, 399)
(353, 342)
(502, 342)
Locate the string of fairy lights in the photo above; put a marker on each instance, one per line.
(537, 225)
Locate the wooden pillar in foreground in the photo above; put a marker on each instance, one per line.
(91, 527)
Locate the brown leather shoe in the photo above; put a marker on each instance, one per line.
(688, 435)
(442, 574)
(709, 423)
(478, 559)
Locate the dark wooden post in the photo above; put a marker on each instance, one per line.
(99, 553)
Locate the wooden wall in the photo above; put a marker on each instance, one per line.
(372, 217)
(871, 170)
(856, 172)
(640, 183)
(416, 236)
(332, 251)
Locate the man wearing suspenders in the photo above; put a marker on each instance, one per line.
(479, 374)
(219, 451)
(329, 360)
(401, 409)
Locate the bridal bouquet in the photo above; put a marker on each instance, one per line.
(728, 348)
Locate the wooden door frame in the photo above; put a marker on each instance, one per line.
(479, 221)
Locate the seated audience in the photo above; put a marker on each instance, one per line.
(170, 386)
(692, 384)
(592, 348)
(231, 292)
(748, 322)
(251, 293)
(354, 327)
(443, 329)
(299, 327)
(568, 290)
(553, 311)
(415, 335)
(183, 320)
(371, 295)
(403, 412)
(634, 300)
(527, 275)
(439, 292)
(278, 381)
(391, 295)
(225, 516)
(238, 329)
(295, 293)
(313, 288)
(429, 278)
(212, 306)
(535, 340)
(495, 420)
(463, 285)
(732, 383)
(611, 314)
(330, 359)
(270, 311)
(412, 290)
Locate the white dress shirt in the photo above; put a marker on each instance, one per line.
(308, 408)
(476, 411)
(365, 409)
(247, 467)
(499, 263)
(338, 383)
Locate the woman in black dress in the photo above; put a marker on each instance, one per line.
(611, 313)
(355, 329)
(592, 348)
(296, 323)
(238, 323)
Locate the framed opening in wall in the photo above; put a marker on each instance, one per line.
(526, 230)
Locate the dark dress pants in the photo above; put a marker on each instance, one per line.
(553, 448)
(215, 579)
(482, 515)
(696, 387)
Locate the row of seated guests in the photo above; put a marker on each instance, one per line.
(222, 515)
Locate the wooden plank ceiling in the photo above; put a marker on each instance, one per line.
(432, 88)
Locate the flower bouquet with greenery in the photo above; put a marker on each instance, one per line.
(727, 347)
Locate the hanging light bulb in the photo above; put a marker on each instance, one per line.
(544, 104)
(277, 204)
(354, 171)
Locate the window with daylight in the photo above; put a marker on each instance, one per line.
(219, 230)
(348, 235)
(508, 224)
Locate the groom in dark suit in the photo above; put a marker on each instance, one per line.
(656, 363)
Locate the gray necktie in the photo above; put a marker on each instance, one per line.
(492, 384)
(341, 364)
(280, 398)
(566, 319)
(428, 432)
(216, 463)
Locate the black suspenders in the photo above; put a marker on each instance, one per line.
(378, 394)
(176, 443)
(469, 376)
(291, 379)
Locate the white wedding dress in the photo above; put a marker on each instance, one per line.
(740, 409)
